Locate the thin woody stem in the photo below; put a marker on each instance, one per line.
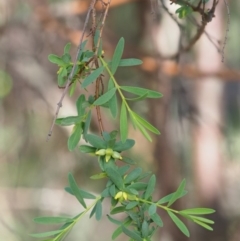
(70, 77)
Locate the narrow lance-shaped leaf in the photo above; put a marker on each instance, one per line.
(67, 121)
(117, 55)
(141, 91)
(52, 220)
(98, 212)
(84, 194)
(92, 77)
(131, 234)
(105, 97)
(112, 103)
(75, 189)
(145, 123)
(179, 223)
(150, 187)
(96, 141)
(198, 211)
(178, 193)
(115, 177)
(143, 131)
(75, 137)
(45, 234)
(133, 175)
(204, 225)
(169, 197)
(123, 123)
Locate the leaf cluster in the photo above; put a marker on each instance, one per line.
(129, 189)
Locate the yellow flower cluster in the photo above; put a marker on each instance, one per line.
(108, 153)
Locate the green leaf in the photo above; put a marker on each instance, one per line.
(123, 169)
(132, 234)
(99, 176)
(197, 211)
(82, 46)
(157, 220)
(118, 231)
(169, 197)
(98, 212)
(105, 97)
(204, 225)
(123, 123)
(145, 229)
(178, 193)
(130, 62)
(141, 91)
(75, 189)
(152, 209)
(115, 177)
(52, 220)
(73, 88)
(92, 77)
(131, 205)
(79, 104)
(117, 55)
(62, 76)
(118, 209)
(112, 190)
(144, 123)
(75, 137)
(96, 141)
(93, 211)
(83, 193)
(133, 175)
(87, 124)
(66, 58)
(113, 103)
(128, 161)
(141, 97)
(143, 130)
(67, 48)
(179, 223)
(67, 121)
(114, 220)
(201, 219)
(150, 187)
(45, 234)
(140, 186)
(55, 60)
(120, 146)
(87, 149)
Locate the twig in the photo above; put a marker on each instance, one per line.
(227, 30)
(59, 104)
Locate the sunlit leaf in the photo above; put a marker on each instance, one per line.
(67, 121)
(99, 176)
(67, 48)
(204, 225)
(112, 103)
(56, 60)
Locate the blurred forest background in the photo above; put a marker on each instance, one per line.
(198, 116)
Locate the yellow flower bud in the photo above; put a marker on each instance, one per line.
(101, 152)
(116, 155)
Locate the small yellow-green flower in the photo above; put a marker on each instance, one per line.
(108, 153)
(121, 196)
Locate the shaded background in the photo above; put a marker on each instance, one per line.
(198, 116)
